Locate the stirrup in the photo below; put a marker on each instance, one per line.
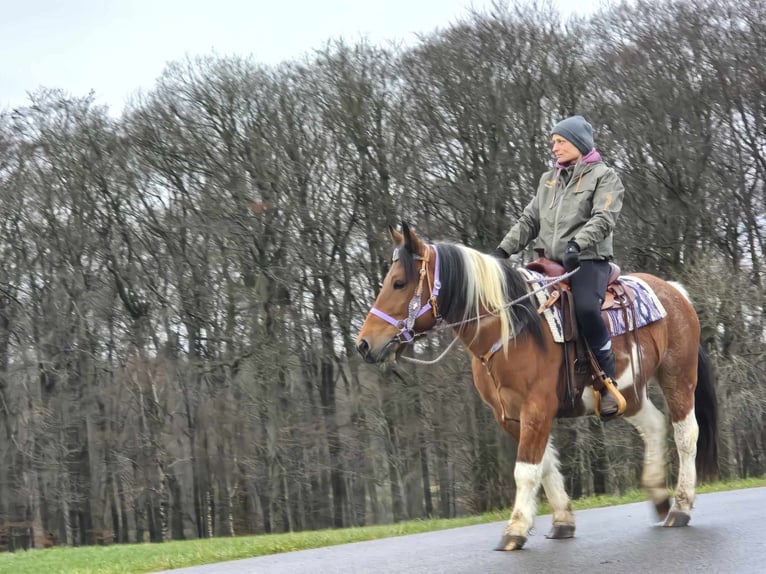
(622, 404)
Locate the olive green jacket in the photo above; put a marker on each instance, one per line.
(584, 208)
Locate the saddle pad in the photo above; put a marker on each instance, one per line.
(551, 315)
(648, 308)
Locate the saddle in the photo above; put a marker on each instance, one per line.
(581, 367)
(618, 294)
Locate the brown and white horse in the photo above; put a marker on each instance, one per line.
(522, 381)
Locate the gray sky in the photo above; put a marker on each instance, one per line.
(115, 47)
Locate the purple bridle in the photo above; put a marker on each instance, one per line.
(415, 309)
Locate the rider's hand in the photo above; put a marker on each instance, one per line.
(500, 253)
(571, 256)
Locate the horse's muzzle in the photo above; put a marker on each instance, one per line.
(363, 347)
(370, 356)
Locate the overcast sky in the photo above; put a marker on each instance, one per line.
(115, 47)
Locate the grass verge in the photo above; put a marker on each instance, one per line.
(138, 558)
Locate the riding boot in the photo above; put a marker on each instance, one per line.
(607, 404)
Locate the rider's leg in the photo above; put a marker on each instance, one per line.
(588, 289)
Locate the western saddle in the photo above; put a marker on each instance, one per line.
(581, 367)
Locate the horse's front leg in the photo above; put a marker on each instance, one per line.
(536, 422)
(555, 492)
(553, 485)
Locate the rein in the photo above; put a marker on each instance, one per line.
(415, 308)
(547, 282)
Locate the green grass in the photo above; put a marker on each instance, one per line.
(136, 558)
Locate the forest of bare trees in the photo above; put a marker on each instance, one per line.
(181, 285)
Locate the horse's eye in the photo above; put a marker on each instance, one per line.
(399, 284)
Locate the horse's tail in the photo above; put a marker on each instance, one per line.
(707, 418)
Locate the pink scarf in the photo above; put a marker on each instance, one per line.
(591, 157)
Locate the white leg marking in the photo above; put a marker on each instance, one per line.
(553, 483)
(650, 424)
(686, 432)
(528, 478)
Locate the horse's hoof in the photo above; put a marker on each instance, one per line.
(662, 509)
(511, 542)
(561, 531)
(677, 518)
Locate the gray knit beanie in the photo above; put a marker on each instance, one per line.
(578, 131)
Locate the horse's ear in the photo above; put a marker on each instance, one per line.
(397, 237)
(406, 232)
(411, 241)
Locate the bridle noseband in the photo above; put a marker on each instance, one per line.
(415, 309)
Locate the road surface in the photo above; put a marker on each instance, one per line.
(726, 535)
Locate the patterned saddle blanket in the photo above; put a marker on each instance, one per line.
(647, 308)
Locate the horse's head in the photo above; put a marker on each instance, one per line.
(406, 304)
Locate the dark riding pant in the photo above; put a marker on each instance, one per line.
(589, 289)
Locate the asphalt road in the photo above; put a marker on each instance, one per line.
(726, 535)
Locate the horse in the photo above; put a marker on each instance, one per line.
(485, 302)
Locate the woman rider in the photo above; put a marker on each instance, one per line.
(572, 216)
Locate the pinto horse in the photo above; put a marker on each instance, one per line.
(481, 298)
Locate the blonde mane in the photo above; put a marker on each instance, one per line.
(487, 291)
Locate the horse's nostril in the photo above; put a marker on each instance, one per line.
(363, 347)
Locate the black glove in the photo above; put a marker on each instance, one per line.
(500, 253)
(571, 256)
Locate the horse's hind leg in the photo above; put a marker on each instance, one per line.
(679, 394)
(561, 505)
(685, 433)
(650, 424)
(678, 375)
